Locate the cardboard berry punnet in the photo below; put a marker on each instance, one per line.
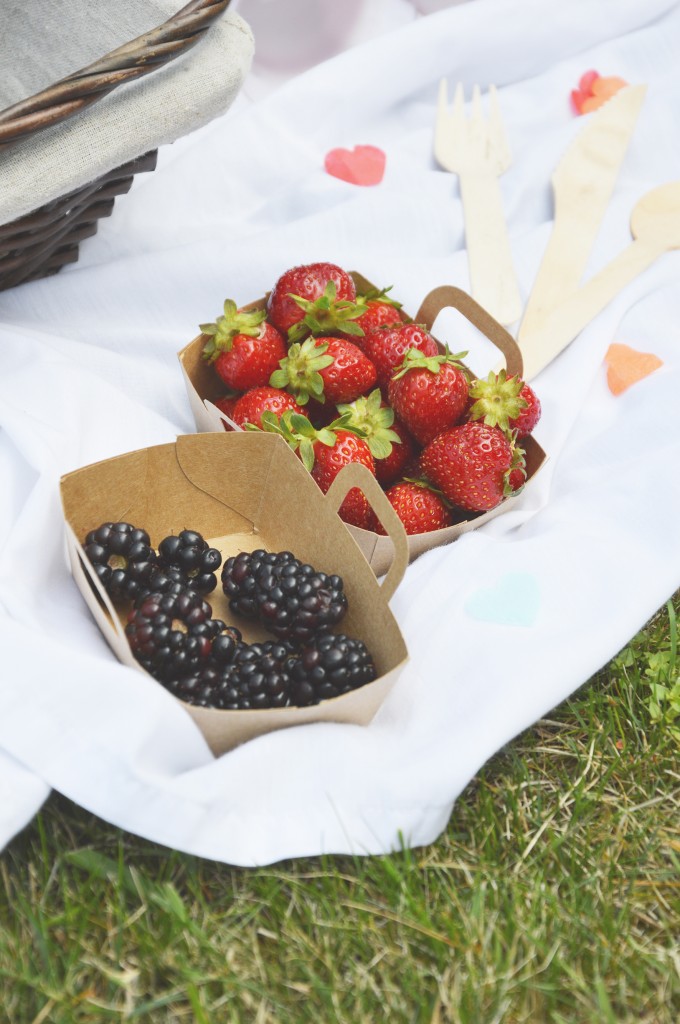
(204, 388)
(243, 491)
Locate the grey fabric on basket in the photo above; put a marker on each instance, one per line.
(42, 41)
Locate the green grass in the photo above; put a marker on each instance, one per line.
(553, 896)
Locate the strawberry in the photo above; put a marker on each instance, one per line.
(244, 349)
(378, 311)
(497, 401)
(529, 416)
(471, 464)
(419, 507)
(251, 405)
(324, 452)
(429, 393)
(328, 369)
(402, 456)
(226, 405)
(386, 347)
(316, 298)
(518, 475)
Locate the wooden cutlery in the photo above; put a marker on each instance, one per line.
(475, 148)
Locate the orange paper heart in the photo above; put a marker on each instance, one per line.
(363, 165)
(626, 366)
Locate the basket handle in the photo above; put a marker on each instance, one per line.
(356, 475)
(447, 295)
(133, 60)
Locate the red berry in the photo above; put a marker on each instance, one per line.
(471, 464)
(251, 405)
(244, 349)
(529, 416)
(394, 465)
(250, 362)
(349, 375)
(378, 314)
(226, 405)
(329, 460)
(330, 369)
(500, 401)
(429, 394)
(309, 282)
(418, 507)
(386, 347)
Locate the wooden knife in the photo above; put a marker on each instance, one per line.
(583, 183)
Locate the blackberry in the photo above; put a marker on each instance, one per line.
(189, 554)
(162, 581)
(121, 557)
(169, 634)
(334, 664)
(197, 688)
(224, 643)
(255, 678)
(289, 597)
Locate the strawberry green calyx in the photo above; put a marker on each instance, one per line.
(300, 434)
(414, 359)
(326, 315)
(515, 476)
(370, 415)
(221, 334)
(378, 295)
(427, 485)
(497, 399)
(299, 373)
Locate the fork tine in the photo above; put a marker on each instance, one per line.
(496, 126)
(458, 112)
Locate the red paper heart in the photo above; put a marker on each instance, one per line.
(363, 165)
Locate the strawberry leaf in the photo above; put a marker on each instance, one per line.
(325, 315)
(379, 295)
(307, 454)
(497, 399)
(228, 326)
(369, 417)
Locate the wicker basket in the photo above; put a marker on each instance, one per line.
(41, 242)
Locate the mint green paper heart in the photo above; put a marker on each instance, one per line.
(513, 601)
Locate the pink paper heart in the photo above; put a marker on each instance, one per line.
(363, 165)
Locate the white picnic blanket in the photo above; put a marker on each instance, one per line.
(502, 625)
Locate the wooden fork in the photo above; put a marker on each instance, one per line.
(476, 149)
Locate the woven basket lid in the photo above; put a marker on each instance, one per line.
(157, 81)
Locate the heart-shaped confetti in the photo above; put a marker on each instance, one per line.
(594, 90)
(626, 366)
(363, 165)
(513, 601)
